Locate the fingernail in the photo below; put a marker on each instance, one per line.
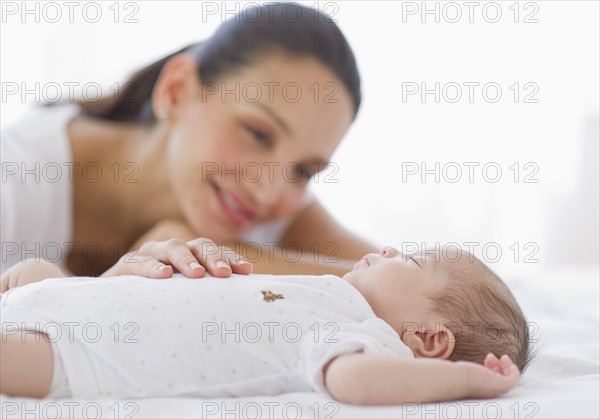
(242, 262)
(194, 265)
(222, 264)
(161, 267)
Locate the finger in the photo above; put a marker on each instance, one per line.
(212, 256)
(491, 361)
(131, 264)
(513, 370)
(177, 253)
(155, 269)
(239, 265)
(506, 361)
(513, 374)
(162, 252)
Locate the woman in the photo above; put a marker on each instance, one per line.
(218, 140)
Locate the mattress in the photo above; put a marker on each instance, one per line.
(563, 380)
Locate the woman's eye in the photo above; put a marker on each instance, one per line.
(307, 174)
(304, 172)
(259, 136)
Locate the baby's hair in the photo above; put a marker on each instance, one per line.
(483, 314)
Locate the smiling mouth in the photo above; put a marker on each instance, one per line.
(231, 208)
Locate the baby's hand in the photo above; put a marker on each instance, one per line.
(28, 271)
(495, 377)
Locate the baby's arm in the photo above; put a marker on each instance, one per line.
(376, 380)
(26, 364)
(26, 359)
(29, 271)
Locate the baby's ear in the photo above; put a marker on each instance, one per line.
(430, 344)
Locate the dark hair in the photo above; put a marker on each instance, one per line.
(238, 42)
(485, 315)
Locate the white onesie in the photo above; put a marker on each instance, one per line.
(247, 335)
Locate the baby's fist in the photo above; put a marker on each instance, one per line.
(28, 271)
(494, 378)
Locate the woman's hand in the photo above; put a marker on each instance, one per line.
(27, 272)
(495, 377)
(159, 259)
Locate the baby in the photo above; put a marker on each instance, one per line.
(382, 334)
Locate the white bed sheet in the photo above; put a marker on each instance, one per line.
(563, 381)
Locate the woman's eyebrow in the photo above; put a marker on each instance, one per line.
(275, 116)
(320, 163)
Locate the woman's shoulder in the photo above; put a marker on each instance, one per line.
(36, 183)
(47, 113)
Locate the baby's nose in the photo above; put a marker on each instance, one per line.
(389, 252)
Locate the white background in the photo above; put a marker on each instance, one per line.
(557, 216)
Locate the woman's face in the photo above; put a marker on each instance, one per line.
(242, 150)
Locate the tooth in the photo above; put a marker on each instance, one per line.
(230, 202)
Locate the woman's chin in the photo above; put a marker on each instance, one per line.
(218, 232)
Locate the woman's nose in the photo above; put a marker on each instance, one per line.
(268, 191)
(388, 252)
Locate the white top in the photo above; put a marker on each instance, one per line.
(252, 335)
(36, 191)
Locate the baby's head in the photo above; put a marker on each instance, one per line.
(448, 306)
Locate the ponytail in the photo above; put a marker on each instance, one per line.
(133, 102)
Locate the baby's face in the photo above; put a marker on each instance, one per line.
(396, 285)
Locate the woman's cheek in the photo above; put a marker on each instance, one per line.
(290, 201)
